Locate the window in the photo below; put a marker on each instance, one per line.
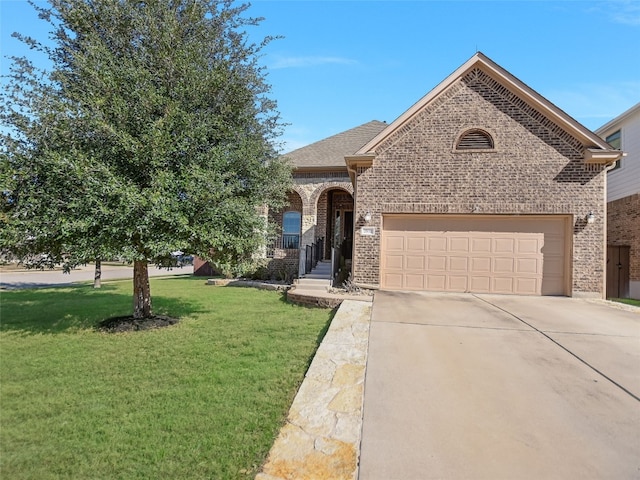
(615, 140)
(475, 139)
(291, 222)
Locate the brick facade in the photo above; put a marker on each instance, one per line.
(623, 228)
(535, 168)
(294, 204)
(313, 196)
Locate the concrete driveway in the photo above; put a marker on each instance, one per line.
(500, 387)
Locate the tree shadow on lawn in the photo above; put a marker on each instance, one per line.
(72, 308)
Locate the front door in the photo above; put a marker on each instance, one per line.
(343, 233)
(347, 242)
(617, 271)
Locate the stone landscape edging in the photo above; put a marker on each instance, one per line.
(321, 437)
(234, 282)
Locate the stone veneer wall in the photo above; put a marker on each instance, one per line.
(310, 198)
(312, 188)
(535, 168)
(623, 228)
(321, 222)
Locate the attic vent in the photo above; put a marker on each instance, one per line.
(475, 140)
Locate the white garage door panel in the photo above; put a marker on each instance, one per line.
(490, 254)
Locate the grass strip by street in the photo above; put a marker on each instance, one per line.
(201, 399)
(627, 301)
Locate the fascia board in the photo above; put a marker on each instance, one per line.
(335, 168)
(594, 155)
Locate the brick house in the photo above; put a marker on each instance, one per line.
(481, 186)
(623, 206)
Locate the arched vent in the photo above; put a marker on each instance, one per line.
(475, 140)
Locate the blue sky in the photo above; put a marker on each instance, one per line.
(344, 63)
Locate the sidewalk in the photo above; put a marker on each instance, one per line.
(11, 280)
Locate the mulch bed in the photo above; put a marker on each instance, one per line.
(130, 324)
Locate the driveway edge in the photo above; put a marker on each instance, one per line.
(321, 438)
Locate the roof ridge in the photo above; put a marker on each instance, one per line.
(330, 152)
(344, 133)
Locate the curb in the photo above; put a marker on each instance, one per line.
(232, 282)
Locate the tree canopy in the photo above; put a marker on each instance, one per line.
(152, 132)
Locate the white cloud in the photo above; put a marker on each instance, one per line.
(310, 61)
(625, 12)
(594, 105)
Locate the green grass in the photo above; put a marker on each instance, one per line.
(628, 301)
(202, 399)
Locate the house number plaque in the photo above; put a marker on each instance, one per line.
(367, 231)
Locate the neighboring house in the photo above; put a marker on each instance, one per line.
(623, 207)
(482, 186)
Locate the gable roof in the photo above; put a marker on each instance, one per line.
(589, 139)
(618, 120)
(330, 152)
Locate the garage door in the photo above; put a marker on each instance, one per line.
(524, 255)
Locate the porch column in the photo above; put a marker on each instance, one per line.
(308, 229)
(263, 211)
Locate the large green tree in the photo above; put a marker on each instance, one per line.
(151, 132)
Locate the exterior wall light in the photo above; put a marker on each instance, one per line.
(590, 218)
(367, 217)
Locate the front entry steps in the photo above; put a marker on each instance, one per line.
(314, 289)
(319, 278)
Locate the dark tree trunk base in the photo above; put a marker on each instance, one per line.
(131, 324)
(141, 290)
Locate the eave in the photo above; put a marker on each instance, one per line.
(355, 161)
(602, 157)
(335, 168)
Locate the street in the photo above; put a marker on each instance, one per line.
(11, 280)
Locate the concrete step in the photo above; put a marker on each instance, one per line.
(323, 265)
(319, 276)
(318, 289)
(319, 273)
(313, 281)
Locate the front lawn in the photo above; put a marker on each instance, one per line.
(201, 399)
(628, 301)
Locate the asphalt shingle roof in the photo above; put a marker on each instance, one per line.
(331, 151)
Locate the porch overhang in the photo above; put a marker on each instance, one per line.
(356, 161)
(602, 157)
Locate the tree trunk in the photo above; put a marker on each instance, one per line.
(97, 275)
(141, 290)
